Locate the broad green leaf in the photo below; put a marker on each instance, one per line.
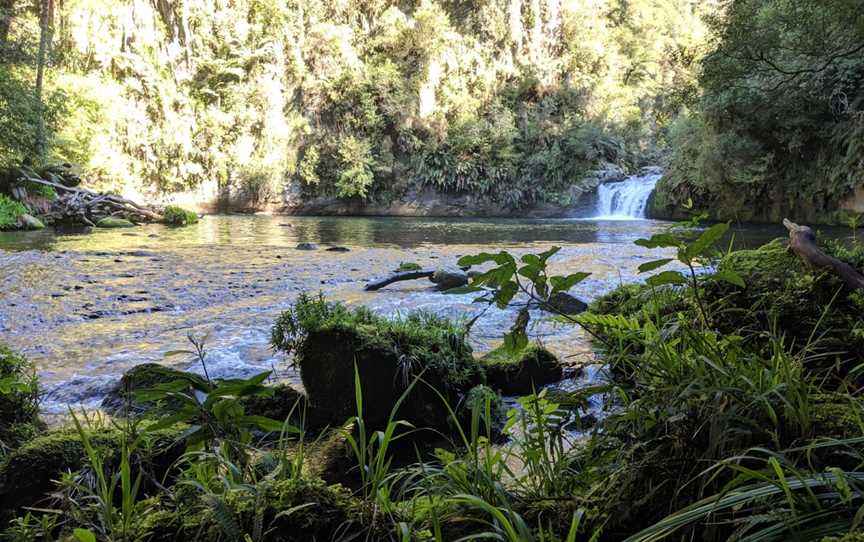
(464, 290)
(505, 294)
(651, 266)
(727, 275)
(267, 424)
(666, 277)
(659, 240)
(562, 284)
(501, 258)
(515, 342)
(707, 239)
(84, 535)
(548, 254)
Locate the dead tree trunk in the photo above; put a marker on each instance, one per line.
(802, 241)
(396, 277)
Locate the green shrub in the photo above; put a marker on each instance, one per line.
(177, 216)
(328, 339)
(19, 397)
(10, 210)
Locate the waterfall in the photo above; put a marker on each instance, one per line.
(627, 199)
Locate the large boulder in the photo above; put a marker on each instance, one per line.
(522, 372)
(329, 340)
(28, 474)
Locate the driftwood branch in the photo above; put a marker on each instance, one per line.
(396, 277)
(90, 206)
(802, 241)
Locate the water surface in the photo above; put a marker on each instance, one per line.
(85, 308)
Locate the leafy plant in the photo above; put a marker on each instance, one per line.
(10, 210)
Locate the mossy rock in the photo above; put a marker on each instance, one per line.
(178, 216)
(522, 372)
(321, 512)
(112, 222)
(120, 398)
(329, 340)
(856, 536)
(19, 398)
(27, 474)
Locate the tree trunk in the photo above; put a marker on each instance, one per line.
(802, 241)
(47, 7)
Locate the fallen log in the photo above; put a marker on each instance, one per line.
(802, 241)
(397, 277)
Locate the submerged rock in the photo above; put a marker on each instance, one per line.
(112, 222)
(30, 222)
(523, 372)
(306, 246)
(564, 303)
(446, 278)
(338, 249)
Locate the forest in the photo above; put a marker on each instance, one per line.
(432, 270)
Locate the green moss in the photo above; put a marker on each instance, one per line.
(320, 511)
(522, 372)
(857, 536)
(178, 216)
(112, 222)
(329, 339)
(10, 210)
(19, 398)
(28, 473)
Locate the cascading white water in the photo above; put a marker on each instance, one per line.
(627, 199)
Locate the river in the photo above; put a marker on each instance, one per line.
(85, 308)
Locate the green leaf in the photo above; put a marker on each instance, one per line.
(651, 266)
(267, 424)
(666, 277)
(727, 275)
(464, 290)
(515, 342)
(501, 258)
(548, 254)
(707, 239)
(84, 535)
(562, 284)
(505, 294)
(659, 240)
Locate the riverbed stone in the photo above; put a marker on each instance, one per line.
(113, 222)
(338, 249)
(449, 277)
(564, 303)
(306, 246)
(30, 222)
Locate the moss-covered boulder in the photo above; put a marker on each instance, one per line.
(112, 222)
(318, 512)
(28, 473)
(121, 398)
(173, 215)
(856, 536)
(329, 340)
(522, 372)
(19, 398)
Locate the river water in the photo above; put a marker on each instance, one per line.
(85, 308)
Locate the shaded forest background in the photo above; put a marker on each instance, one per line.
(754, 106)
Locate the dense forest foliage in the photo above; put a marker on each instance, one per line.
(779, 125)
(514, 100)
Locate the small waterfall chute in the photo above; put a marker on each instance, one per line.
(627, 199)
